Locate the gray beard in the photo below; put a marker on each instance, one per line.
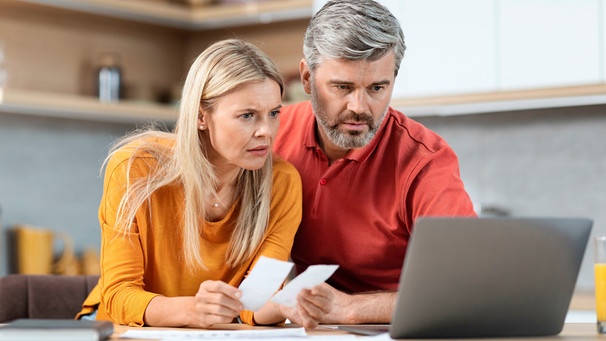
(345, 140)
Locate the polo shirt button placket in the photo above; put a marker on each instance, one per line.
(323, 182)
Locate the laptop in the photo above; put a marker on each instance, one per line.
(487, 277)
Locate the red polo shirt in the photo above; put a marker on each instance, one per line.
(359, 211)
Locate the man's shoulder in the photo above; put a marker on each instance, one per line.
(298, 106)
(298, 110)
(295, 122)
(406, 131)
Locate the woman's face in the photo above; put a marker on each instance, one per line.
(242, 126)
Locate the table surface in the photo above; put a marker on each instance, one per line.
(571, 331)
(581, 301)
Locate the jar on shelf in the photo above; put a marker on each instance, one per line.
(109, 78)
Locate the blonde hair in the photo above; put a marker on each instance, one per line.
(219, 69)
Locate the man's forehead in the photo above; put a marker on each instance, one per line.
(379, 71)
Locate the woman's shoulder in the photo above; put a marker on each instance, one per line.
(142, 148)
(280, 165)
(287, 184)
(284, 170)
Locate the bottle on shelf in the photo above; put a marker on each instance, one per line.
(109, 78)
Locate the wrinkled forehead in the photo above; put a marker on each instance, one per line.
(371, 71)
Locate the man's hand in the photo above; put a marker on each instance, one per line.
(313, 305)
(374, 307)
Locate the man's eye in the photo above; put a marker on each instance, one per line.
(274, 113)
(247, 115)
(377, 88)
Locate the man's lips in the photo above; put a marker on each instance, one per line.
(355, 125)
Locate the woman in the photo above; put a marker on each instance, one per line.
(185, 215)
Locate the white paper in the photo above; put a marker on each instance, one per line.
(263, 281)
(312, 276)
(193, 334)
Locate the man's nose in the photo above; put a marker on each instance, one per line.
(358, 101)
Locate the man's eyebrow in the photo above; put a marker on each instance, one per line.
(338, 81)
(381, 82)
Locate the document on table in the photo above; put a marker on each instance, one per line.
(284, 334)
(268, 275)
(197, 334)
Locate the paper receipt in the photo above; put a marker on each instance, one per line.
(263, 281)
(268, 275)
(312, 276)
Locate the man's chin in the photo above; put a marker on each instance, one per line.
(351, 141)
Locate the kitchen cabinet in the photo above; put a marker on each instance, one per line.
(549, 43)
(446, 53)
(477, 56)
(471, 46)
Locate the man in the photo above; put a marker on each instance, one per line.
(368, 171)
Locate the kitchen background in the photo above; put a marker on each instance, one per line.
(517, 87)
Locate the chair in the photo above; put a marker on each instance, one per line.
(43, 296)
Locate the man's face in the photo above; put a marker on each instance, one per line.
(350, 99)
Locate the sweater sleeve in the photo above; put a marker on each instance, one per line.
(123, 297)
(285, 217)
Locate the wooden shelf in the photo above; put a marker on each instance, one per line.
(196, 18)
(500, 101)
(83, 108)
(89, 108)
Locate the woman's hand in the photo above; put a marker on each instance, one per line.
(216, 302)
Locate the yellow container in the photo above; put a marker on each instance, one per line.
(600, 282)
(35, 249)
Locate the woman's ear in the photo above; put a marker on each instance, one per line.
(202, 124)
(305, 76)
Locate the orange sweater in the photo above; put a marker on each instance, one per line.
(149, 263)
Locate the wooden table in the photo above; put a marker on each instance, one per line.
(571, 331)
(581, 301)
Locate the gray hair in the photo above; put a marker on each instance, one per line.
(353, 30)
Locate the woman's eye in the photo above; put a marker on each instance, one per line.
(247, 115)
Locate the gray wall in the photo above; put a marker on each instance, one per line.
(535, 163)
(49, 175)
(530, 163)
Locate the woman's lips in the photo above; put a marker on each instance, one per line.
(259, 151)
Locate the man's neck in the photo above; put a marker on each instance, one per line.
(332, 151)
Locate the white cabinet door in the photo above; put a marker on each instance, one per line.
(468, 46)
(546, 43)
(450, 47)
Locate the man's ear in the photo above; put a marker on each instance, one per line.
(305, 76)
